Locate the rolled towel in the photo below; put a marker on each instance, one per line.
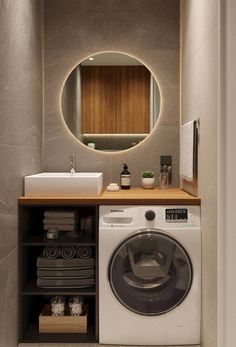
(83, 252)
(67, 252)
(51, 252)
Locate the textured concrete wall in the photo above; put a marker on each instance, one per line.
(20, 138)
(148, 30)
(199, 99)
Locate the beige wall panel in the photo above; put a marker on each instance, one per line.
(9, 300)
(20, 139)
(199, 100)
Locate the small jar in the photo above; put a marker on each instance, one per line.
(58, 306)
(76, 305)
(52, 234)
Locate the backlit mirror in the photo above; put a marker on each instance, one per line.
(110, 101)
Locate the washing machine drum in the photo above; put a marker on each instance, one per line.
(150, 273)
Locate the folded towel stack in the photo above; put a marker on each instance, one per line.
(62, 220)
(66, 267)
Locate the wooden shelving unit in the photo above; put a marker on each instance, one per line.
(32, 298)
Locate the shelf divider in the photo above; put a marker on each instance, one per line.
(32, 289)
(41, 240)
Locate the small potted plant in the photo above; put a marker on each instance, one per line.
(148, 179)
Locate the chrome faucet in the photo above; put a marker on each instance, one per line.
(72, 164)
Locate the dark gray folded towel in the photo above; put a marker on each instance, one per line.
(51, 264)
(83, 252)
(64, 274)
(68, 252)
(66, 283)
(51, 252)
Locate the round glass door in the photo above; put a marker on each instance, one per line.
(150, 273)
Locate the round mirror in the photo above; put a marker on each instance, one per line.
(110, 101)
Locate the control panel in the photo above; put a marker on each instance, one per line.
(149, 216)
(176, 215)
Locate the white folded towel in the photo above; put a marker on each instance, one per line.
(60, 227)
(59, 214)
(187, 151)
(60, 221)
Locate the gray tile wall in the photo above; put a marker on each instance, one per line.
(199, 99)
(149, 30)
(20, 138)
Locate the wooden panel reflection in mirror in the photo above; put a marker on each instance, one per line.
(115, 99)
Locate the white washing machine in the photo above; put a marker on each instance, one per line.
(149, 275)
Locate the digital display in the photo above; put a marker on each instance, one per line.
(176, 214)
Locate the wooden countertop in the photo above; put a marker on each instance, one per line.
(134, 196)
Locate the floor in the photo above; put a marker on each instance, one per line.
(82, 345)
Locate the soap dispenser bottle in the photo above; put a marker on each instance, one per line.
(125, 178)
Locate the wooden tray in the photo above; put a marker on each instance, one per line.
(62, 324)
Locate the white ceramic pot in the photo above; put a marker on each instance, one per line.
(148, 183)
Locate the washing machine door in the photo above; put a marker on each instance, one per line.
(150, 273)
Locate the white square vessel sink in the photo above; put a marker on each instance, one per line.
(64, 184)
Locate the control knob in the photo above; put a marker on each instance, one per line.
(150, 215)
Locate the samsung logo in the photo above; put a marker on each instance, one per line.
(117, 210)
